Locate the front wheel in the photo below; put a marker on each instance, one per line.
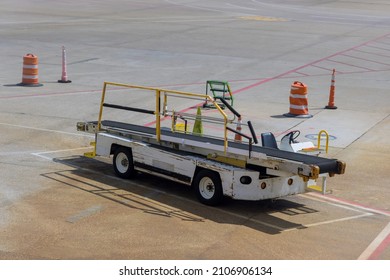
(208, 187)
(123, 163)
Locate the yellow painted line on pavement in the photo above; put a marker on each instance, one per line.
(262, 18)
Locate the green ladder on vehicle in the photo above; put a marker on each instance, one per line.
(220, 90)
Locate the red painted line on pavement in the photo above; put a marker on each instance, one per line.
(324, 68)
(381, 247)
(379, 48)
(358, 72)
(351, 65)
(365, 59)
(372, 53)
(301, 73)
(309, 64)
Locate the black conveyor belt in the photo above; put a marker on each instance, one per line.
(326, 165)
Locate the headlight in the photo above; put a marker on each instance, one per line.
(245, 180)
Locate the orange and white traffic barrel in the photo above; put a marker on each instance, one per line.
(30, 71)
(298, 101)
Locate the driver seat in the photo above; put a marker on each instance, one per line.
(268, 140)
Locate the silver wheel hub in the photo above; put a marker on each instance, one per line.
(122, 162)
(206, 188)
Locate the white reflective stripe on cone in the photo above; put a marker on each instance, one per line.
(30, 66)
(30, 76)
(298, 107)
(298, 96)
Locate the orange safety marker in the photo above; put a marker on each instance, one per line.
(238, 137)
(64, 76)
(331, 93)
(30, 71)
(298, 101)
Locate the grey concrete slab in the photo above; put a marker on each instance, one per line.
(260, 47)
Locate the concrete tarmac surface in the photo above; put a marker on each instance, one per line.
(57, 204)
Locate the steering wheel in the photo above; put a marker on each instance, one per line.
(292, 135)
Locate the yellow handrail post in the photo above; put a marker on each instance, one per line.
(101, 106)
(327, 139)
(157, 112)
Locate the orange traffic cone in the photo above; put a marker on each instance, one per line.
(331, 93)
(64, 75)
(238, 137)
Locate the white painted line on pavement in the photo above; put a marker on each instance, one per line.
(42, 154)
(378, 245)
(349, 203)
(47, 130)
(332, 221)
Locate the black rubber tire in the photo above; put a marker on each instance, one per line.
(208, 187)
(123, 163)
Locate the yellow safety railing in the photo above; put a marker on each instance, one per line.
(327, 140)
(157, 112)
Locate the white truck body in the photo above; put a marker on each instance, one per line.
(182, 167)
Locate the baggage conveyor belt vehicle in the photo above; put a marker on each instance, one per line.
(212, 164)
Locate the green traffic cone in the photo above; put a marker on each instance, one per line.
(198, 128)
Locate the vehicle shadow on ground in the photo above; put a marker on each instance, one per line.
(156, 196)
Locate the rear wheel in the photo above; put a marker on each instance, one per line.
(123, 163)
(208, 187)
